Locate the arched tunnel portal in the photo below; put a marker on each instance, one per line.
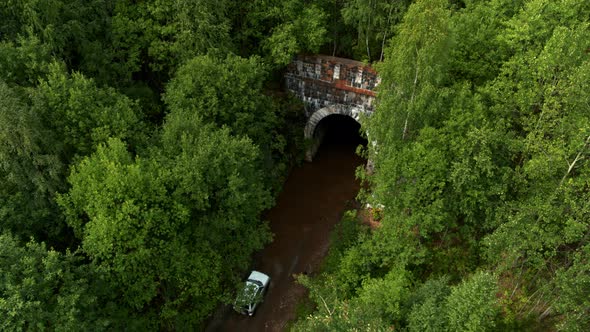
(332, 128)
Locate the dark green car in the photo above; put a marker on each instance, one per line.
(252, 293)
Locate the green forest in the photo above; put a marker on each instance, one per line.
(142, 141)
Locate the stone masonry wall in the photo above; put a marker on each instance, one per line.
(322, 81)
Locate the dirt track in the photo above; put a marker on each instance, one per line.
(312, 202)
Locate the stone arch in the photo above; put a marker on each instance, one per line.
(320, 114)
(317, 117)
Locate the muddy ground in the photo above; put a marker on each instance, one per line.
(312, 202)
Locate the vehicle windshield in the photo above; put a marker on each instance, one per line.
(256, 282)
(248, 293)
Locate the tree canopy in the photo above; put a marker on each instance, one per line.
(480, 147)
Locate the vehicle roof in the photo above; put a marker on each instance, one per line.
(255, 275)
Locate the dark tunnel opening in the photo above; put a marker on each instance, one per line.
(338, 131)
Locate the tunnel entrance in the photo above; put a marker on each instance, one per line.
(337, 131)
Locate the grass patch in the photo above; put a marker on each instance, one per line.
(345, 234)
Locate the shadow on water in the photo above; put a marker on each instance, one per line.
(313, 200)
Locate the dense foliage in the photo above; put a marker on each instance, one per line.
(140, 141)
(481, 148)
(139, 144)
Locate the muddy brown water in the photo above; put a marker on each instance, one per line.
(313, 200)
